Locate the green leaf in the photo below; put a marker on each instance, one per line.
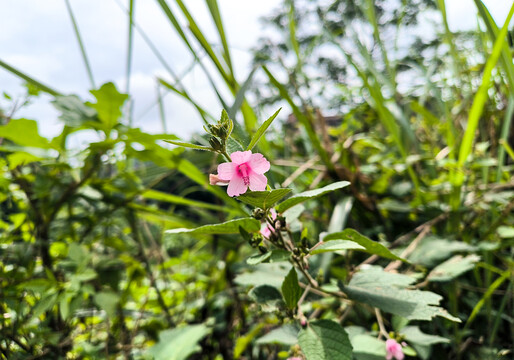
(370, 246)
(414, 335)
(505, 232)
(107, 301)
(268, 297)
(481, 96)
(453, 268)
(272, 256)
(261, 130)
(228, 227)
(242, 342)
(46, 303)
(387, 292)
(291, 291)
(20, 158)
(109, 102)
(368, 347)
(174, 199)
(325, 340)
(311, 194)
(233, 145)
(336, 245)
(286, 335)
(179, 343)
(190, 146)
(264, 274)
(74, 112)
(263, 199)
(24, 132)
(433, 250)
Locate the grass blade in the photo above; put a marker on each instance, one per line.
(457, 178)
(195, 30)
(372, 18)
(492, 30)
(505, 275)
(162, 115)
(216, 17)
(504, 136)
(303, 119)
(204, 114)
(240, 96)
(129, 46)
(81, 45)
(262, 129)
(29, 79)
(190, 146)
(292, 31)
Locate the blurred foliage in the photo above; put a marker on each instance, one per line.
(391, 179)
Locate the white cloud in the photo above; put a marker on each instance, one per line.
(37, 37)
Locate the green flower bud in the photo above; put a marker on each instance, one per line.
(215, 144)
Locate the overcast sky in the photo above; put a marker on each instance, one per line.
(36, 36)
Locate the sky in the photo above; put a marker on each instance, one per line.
(37, 37)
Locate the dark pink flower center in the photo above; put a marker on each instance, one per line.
(243, 170)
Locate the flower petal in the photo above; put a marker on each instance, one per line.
(236, 186)
(226, 171)
(257, 182)
(240, 157)
(258, 163)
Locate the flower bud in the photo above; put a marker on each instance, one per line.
(258, 213)
(215, 143)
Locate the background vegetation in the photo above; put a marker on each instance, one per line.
(415, 118)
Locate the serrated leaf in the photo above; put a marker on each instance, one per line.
(311, 194)
(74, 112)
(228, 227)
(370, 246)
(286, 335)
(109, 102)
(233, 145)
(262, 129)
(263, 199)
(179, 343)
(387, 292)
(336, 245)
(325, 340)
(189, 146)
(24, 132)
(291, 291)
(453, 268)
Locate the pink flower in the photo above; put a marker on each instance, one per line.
(215, 180)
(267, 229)
(245, 171)
(394, 349)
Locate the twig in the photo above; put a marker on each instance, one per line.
(300, 171)
(381, 326)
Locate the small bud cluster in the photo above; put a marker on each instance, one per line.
(219, 133)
